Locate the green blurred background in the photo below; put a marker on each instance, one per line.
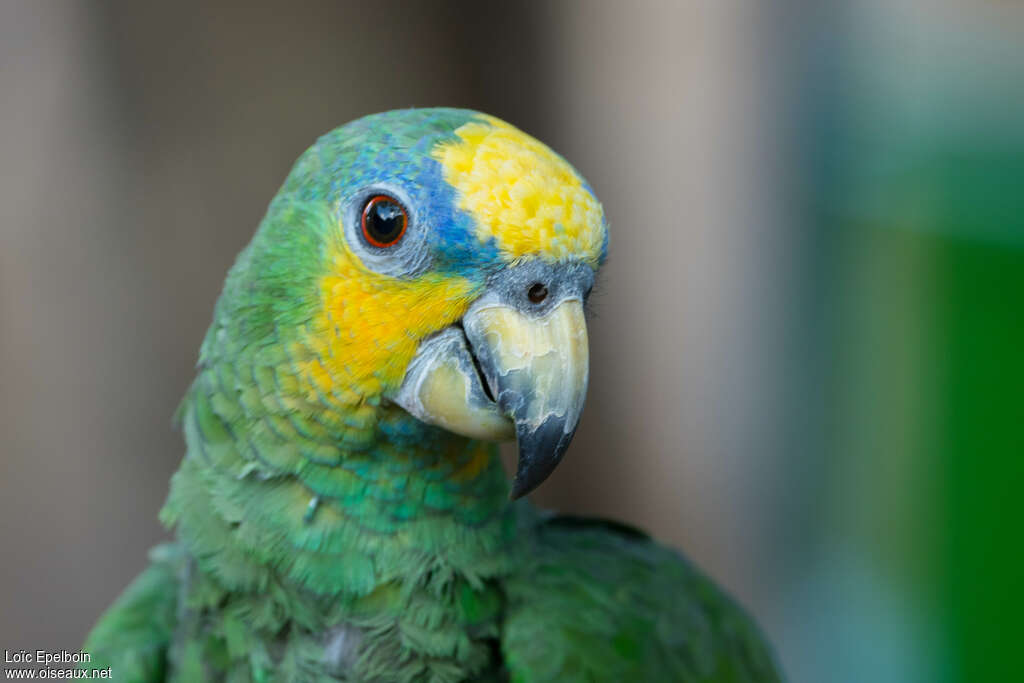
(807, 354)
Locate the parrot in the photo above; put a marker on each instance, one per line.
(414, 296)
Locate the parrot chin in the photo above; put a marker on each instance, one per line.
(516, 365)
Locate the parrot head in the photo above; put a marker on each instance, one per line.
(436, 262)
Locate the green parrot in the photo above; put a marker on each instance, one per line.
(414, 294)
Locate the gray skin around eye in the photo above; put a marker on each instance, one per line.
(407, 258)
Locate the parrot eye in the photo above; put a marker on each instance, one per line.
(384, 221)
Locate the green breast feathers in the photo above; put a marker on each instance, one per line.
(413, 295)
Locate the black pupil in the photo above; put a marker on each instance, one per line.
(385, 220)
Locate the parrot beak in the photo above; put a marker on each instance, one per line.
(516, 366)
(537, 368)
(443, 387)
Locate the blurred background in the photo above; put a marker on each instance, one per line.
(807, 358)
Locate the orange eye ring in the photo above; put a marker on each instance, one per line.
(384, 221)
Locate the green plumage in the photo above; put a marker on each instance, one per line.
(328, 537)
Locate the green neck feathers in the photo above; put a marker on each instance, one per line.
(298, 549)
(266, 499)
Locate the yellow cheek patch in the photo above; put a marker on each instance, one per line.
(369, 326)
(522, 195)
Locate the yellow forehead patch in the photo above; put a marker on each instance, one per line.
(521, 194)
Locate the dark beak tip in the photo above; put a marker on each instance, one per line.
(517, 492)
(540, 451)
(523, 486)
(526, 483)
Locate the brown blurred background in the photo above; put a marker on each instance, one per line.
(730, 392)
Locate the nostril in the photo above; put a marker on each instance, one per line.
(537, 293)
